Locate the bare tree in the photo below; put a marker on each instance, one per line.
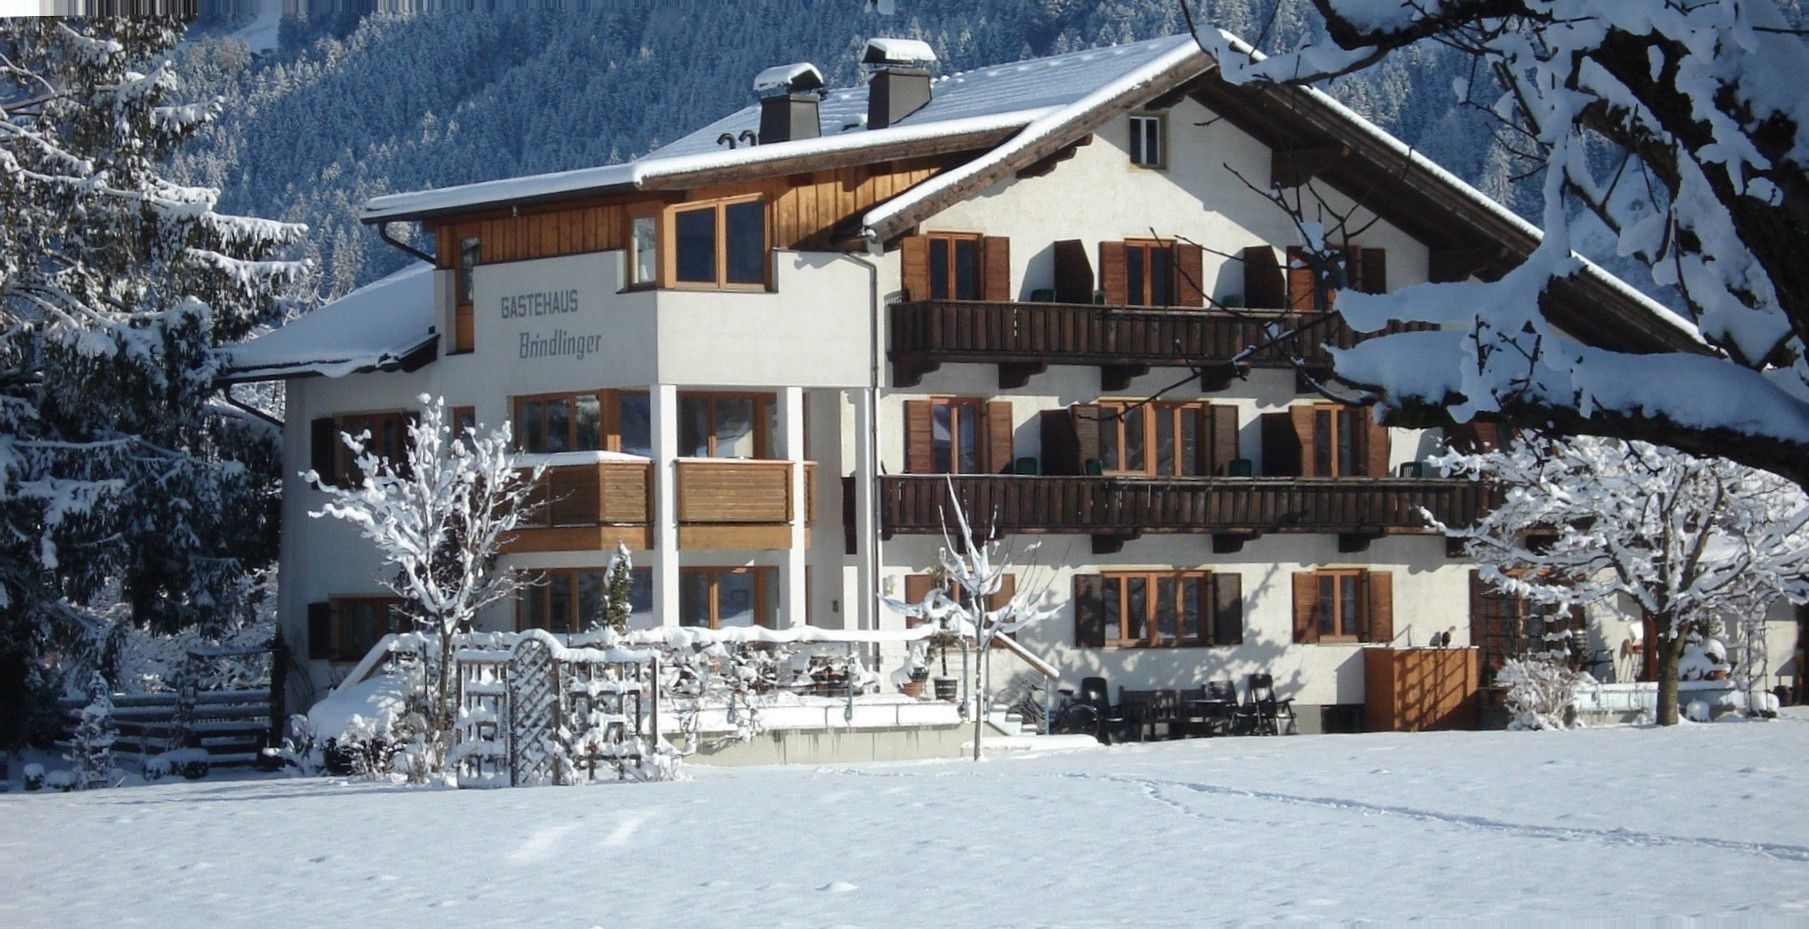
(1688, 541)
(439, 517)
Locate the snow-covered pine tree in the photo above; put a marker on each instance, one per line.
(117, 288)
(618, 589)
(91, 745)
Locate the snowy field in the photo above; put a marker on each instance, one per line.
(1619, 824)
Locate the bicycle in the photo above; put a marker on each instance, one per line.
(1071, 715)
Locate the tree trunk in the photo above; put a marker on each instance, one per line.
(1670, 649)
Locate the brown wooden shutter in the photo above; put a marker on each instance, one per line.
(1073, 272)
(920, 454)
(1375, 444)
(323, 448)
(1190, 274)
(1227, 608)
(1281, 446)
(998, 437)
(1303, 418)
(1300, 280)
(1372, 274)
(1061, 454)
(1008, 585)
(995, 277)
(914, 267)
(1379, 603)
(1222, 420)
(1112, 273)
(320, 631)
(1086, 433)
(917, 587)
(1479, 609)
(1306, 607)
(1089, 611)
(1265, 280)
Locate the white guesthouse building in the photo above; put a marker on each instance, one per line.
(761, 356)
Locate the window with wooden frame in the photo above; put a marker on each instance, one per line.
(725, 425)
(717, 598)
(1324, 440)
(584, 421)
(721, 244)
(464, 328)
(643, 251)
(329, 456)
(345, 629)
(1158, 609)
(1167, 438)
(1343, 605)
(1363, 270)
(1149, 140)
(958, 435)
(567, 600)
(1152, 272)
(955, 266)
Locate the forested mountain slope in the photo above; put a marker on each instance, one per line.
(349, 108)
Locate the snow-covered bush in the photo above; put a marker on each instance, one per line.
(34, 776)
(1704, 659)
(191, 763)
(362, 728)
(91, 744)
(1541, 691)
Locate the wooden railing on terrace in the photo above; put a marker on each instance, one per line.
(926, 333)
(1127, 507)
(739, 491)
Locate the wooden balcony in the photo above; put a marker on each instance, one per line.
(726, 503)
(590, 507)
(1233, 510)
(1123, 341)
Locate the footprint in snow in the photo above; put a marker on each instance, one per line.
(837, 887)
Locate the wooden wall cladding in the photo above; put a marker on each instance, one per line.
(1412, 689)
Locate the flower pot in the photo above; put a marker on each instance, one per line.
(911, 688)
(947, 688)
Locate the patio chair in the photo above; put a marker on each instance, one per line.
(1273, 715)
(1095, 693)
(1221, 710)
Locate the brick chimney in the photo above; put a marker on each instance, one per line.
(899, 79)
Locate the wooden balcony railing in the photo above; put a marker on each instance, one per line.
(1232, 509)
(590, 506)
(928, 333)
(739, 504)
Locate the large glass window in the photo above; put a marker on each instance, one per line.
(1338, 435)
(956, 434)
(569, 600)
(719, 597)
(580, 422)
(720, 244)
(1151, 608)
(468, 252)
(1340, 604)
(635, 419)
(724, 425)
(356, 623)
(1166, 439)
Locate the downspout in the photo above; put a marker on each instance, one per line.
(383, 233)
(873, 515)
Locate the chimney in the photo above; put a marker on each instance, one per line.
(900, 79)
(788, 102)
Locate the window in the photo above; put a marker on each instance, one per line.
(956, 436)
(643, 257)
(1149, 273)
(1162, 439)
(1148, 142)
(1168, 608)
(1338, 434)
(387, 439)
(1341, 605)
(569, 600)
(357, 623)
(720, 244)
(724, 425)
(955, 272)
(720, 597)
(584, 422)
(463, 323)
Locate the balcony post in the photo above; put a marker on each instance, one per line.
(664, 413)
(866, 532)
(793, 599)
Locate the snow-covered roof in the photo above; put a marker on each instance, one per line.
(1002, 98)
(377, 325)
